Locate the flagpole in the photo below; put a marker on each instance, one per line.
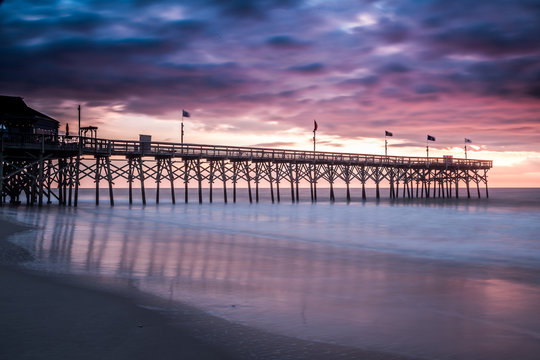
(465, 149)
(427, 148)
(314, 135)
(182, 129)
(385, 145)
(79, 108)
(80, 140)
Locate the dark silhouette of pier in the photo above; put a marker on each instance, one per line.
(46, 168)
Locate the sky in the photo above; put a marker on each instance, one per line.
(257, 73)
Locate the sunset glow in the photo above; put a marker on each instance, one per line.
(259, 72)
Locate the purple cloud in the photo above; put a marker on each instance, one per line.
(359, 66)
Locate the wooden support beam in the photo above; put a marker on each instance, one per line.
(331, 181)
(363, 180)
(1, 173)
(97, 178)
(347, 182)
(456, 178)
(257, 169)
(235, 176)
(109, 179)
(315, 178)
(377, 181)
(130, 180)
(199, 179)
(40, 179)
(291, 179)
(467, 183)
(311, 180)
(60, 183)
(171, 179)
(77, 179)
(49, 181)
(141, 179)
(211, 181)
(248, 178)
(158, 177)
(277, 182)
(296, 180)
(70, 180)
(186, 179)
(33, 172)
(392, 194)
(224, 179)
(269, 169)
(486, 181)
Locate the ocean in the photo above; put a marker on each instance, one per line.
(426, 278)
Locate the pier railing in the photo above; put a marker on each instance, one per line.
(130, 147)
(107, 147)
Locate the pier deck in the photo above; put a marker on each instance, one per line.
(52, 168)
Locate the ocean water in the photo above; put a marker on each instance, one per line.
(433, 279)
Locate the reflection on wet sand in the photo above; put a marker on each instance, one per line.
(315, 290)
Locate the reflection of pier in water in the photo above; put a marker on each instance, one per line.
(203, 260)
(52, 168)
(303, 286)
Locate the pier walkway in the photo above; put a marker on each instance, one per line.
(48, 168)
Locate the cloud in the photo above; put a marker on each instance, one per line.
(369, 80)
(276, 144)
(393, 68)
(460, 66)
(286, 42)
(250, 9)
(489, 39)
(311, 68)
(427, 88)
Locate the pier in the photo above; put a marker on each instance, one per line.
(38, 169)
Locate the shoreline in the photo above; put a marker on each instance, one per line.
(47, 316)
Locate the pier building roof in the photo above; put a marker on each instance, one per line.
(16, 116)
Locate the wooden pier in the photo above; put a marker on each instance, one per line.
(39, 168)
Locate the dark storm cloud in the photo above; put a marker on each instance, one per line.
(514, 77)
(249, 8)
(286, 42)
(489, 39)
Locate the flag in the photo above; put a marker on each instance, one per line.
(315, 126)
(468, 140)
(388, 133)
(185, 113)
(430, 138)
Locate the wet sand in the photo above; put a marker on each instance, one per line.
(45, 317)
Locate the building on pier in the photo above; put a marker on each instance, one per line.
(18, 118)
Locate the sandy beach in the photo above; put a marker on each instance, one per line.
(48, 317)
(43, 318)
